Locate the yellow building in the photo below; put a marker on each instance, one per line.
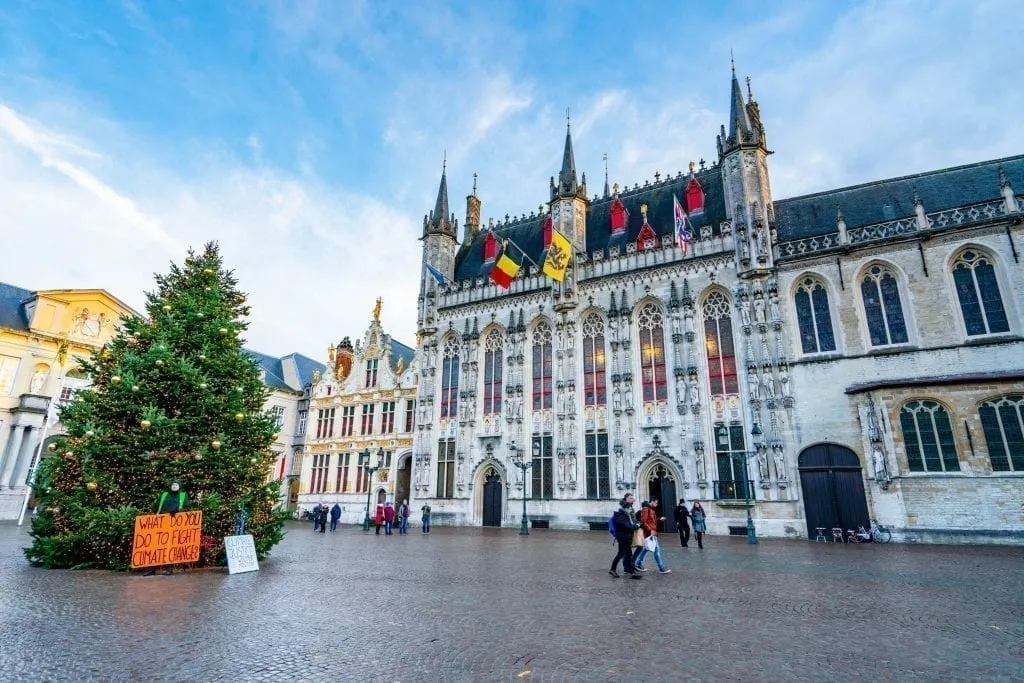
(42, 334)
(365, 401)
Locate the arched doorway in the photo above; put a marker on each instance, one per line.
(403, 481)
(833, 488)
(492, 498)
(661, 484)
(293, 494)
(381, 496)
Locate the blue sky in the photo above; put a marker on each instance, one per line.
(307, 137)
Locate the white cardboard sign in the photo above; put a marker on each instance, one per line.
(241, 552)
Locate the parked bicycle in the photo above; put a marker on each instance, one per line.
(876, 534)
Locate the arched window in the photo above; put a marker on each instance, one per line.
(978, 292)
(492, 372)
(542, 366)
(450, 378)
(882, 307)
(928, 437)
(651, 323)
(1002, 420)
(718, 344)
(813, 317)
(595, 391)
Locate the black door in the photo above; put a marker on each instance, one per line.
(833, 488)
(663, 487)
(492, 499)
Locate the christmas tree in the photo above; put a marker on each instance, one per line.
(173, 398)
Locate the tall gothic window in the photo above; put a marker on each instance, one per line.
(446, 468)
(882, 307)
(595, 389)
(718, 345)
(731, 457)
(543, 469)
(1002, 420)
(542, 366)
(450, 378)
(597, 473)
(813, 317)
(492, 372)
(978, 291)
(928, 437)
(651, 323)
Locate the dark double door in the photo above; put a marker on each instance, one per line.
(833, 489)
(662, 486)
(492, 499)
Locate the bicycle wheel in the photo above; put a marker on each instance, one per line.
(881, 535)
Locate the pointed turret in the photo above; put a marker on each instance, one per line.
(745, 128)
(568, 184)
(739, 120)
(440, 219)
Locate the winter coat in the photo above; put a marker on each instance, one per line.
(649, 521)
(624, 526)
(378, 516)
(403, 511)
(682, 515)
(389, 514)
(336, 512)
(698, 517)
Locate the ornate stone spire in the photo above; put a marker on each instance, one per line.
(440, 219)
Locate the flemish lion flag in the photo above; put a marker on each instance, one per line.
(557, 259)
(504, 270)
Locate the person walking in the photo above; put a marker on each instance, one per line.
(425, 518)
(335, 516)
(324, 510)
(378, 518)
(649, 523)
(403, 518)
(699, 522)
(389, 518)
(682, 517)
(624, 523)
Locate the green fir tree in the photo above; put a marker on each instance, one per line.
(173, 398)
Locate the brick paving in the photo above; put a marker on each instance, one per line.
(476, 604)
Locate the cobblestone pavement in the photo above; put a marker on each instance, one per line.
(475, 604)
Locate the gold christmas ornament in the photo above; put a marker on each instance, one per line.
(135, 387)
(146, 424)
(89, 433)
(274, 436)
(207, 271)
(92, 486)
(167, 308)
(202, 385)
(254, 460)
(69, 454)
(159, 362)
(198, 456)
(199, 314)
(52, 447)
(239, 388)
(223, 330)
(207, 289)
(202, 356)
(239, 416)
(116, 379)
(215, 445)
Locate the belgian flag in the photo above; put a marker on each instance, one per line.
(505, 269)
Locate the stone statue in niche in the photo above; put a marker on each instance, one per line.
(878, 463)
(573, 471)
(773, 303)
(563, 467)
(744, 247)
(761, 239)
(759, 310)
(701, 471)
(38, 380)
(753, 384)
(784, 381)
(619, 466)
(780, 464)
(617, 399)
(689, 322)
(769, 385)
(762, 464)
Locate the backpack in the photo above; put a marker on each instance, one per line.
(611, 525)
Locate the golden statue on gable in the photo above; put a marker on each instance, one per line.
(376, 309)
(401, 366)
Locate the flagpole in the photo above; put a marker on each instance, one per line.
(524, 254)
(34, 465)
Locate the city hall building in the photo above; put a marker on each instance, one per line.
(828, 359)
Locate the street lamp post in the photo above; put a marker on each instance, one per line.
(747, 484)
(518, 461)
(364, 460)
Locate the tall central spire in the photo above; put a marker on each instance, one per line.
(567, 176)
(739, 120)
(441, 219)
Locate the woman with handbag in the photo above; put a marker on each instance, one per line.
(699, 522)
(625, 525)
(649, 524)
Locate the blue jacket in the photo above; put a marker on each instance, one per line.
(624, 526)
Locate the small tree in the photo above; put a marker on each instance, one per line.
(173, 398)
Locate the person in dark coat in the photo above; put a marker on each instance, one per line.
(389, 518)
(682, 517)
(699, 523)
(324, 510)
(335, 516)
(378, 517)
(624, 522)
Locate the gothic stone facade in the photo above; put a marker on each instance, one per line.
(365, 401)
(835, 358)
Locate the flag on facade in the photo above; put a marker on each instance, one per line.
(682, 232)
(438, 275)
(557, 259)
(504, 269)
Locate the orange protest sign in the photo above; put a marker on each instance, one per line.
(166, 539)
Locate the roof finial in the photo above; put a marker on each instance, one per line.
(732, 60)
(604, 156)
(474, 184)
(750, 94)
(444, 161)
(691, 167)
(568, 119)
(643, 210)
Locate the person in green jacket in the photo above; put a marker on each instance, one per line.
(171, 502)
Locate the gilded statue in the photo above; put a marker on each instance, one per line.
(376, 309)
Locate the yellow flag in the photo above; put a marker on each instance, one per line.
(557, 259)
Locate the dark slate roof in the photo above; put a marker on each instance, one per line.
(528, 233)
(400, 350)
(272, 367)
(306, 367)
(886, 200)
(12, 312)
